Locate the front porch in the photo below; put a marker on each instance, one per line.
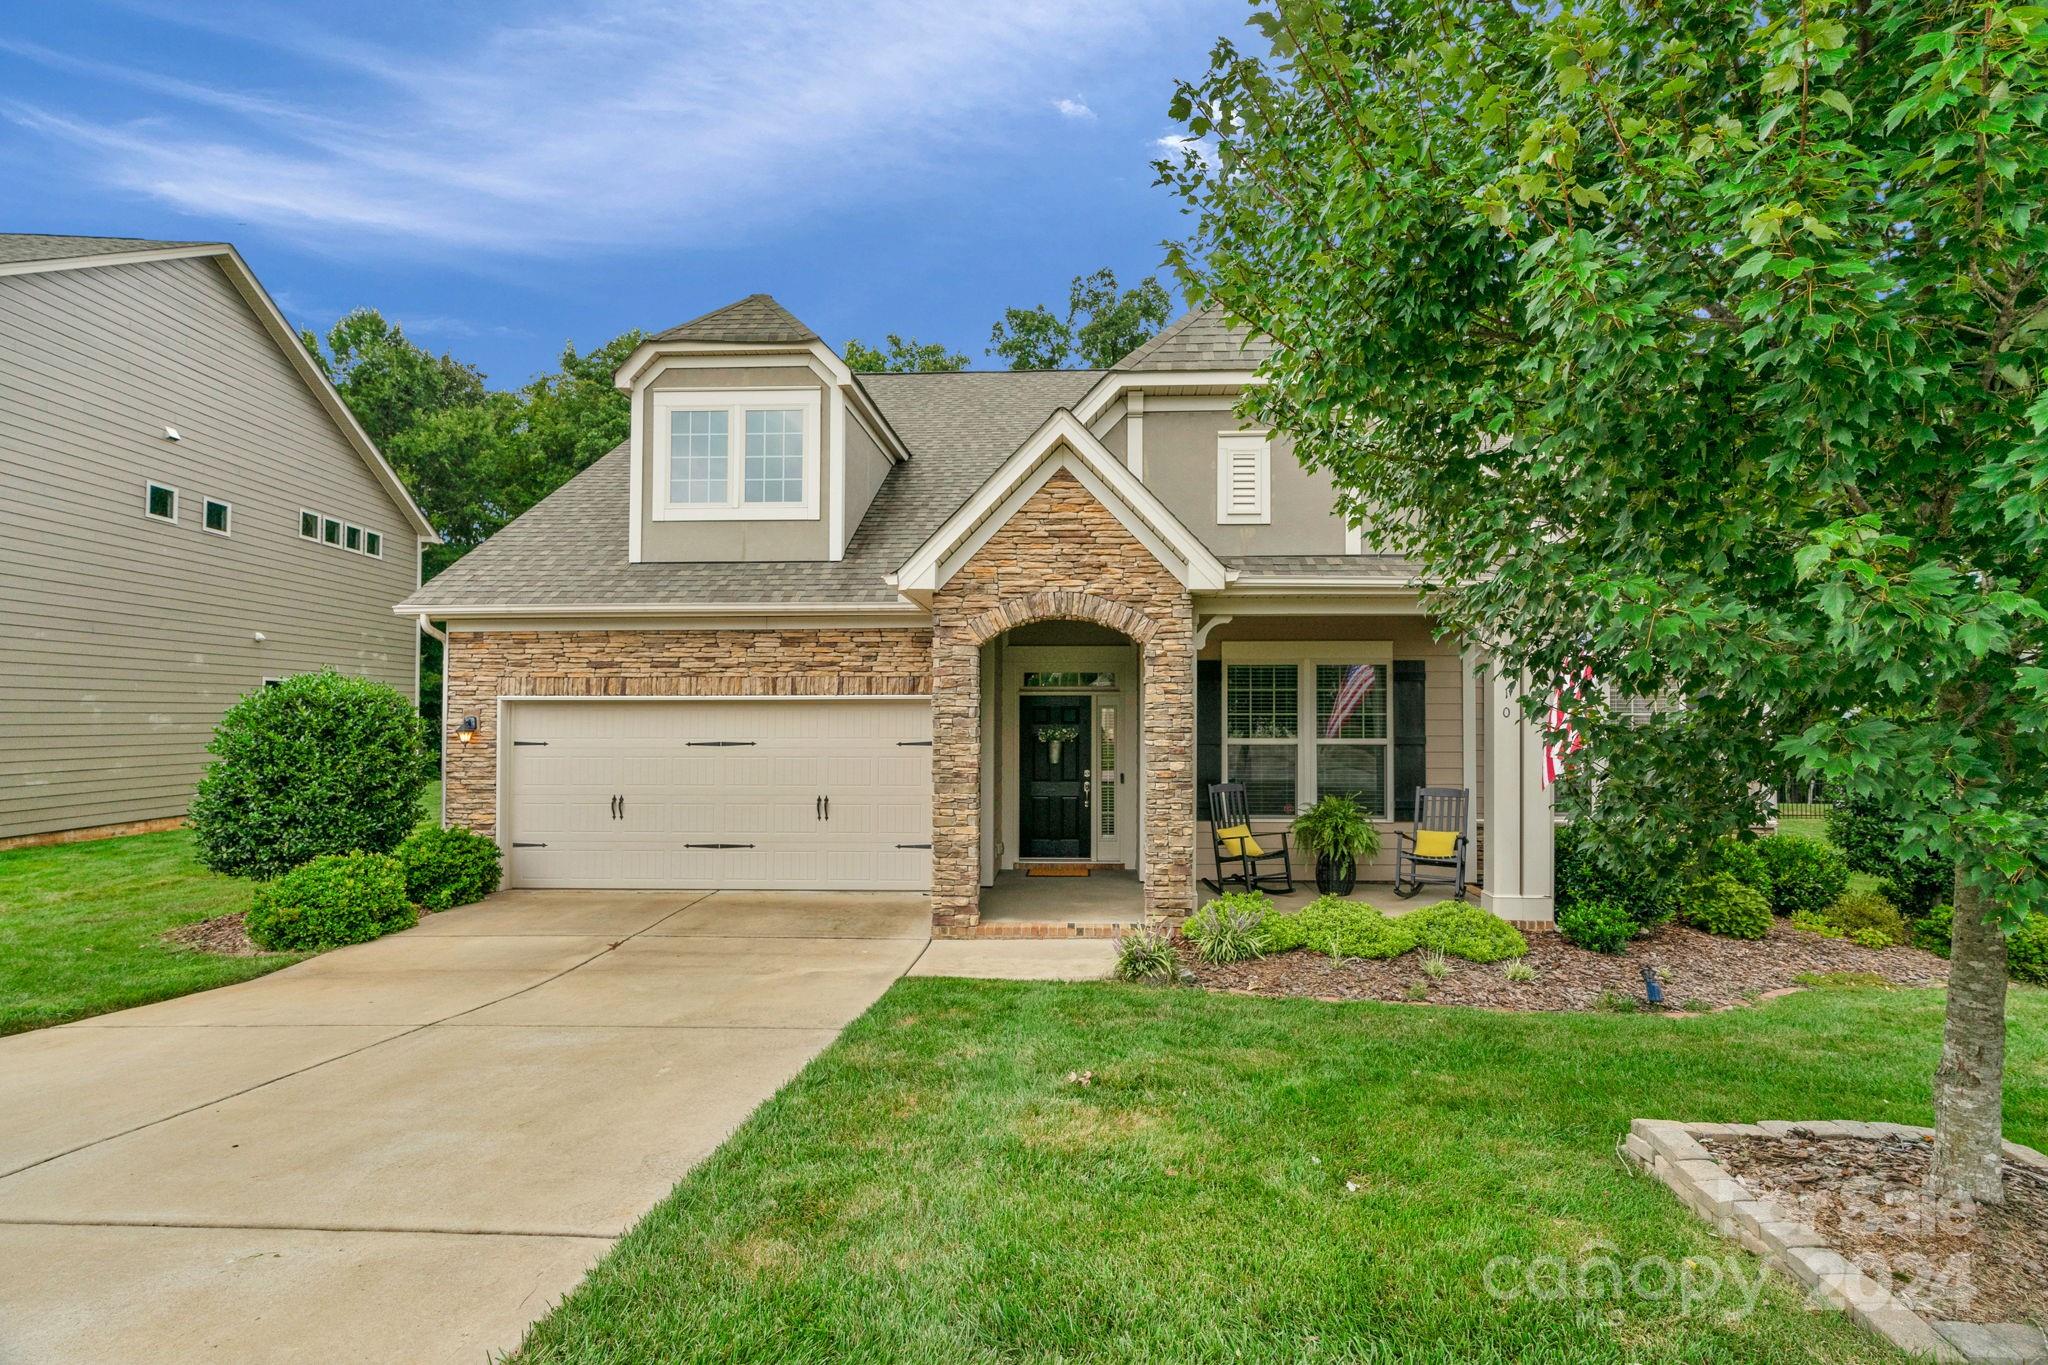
(1108, 903)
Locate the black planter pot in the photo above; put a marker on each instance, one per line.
(1335, 877)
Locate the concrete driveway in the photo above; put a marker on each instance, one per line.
(410, 1149)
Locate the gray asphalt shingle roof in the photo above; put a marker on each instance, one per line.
(18, 247)
(571, 548)
(756, 319)
(1200, 340)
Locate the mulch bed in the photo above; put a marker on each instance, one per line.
(1698, 971)
(223, 934)
(1945, 1259)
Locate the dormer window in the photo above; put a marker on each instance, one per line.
(744, 455)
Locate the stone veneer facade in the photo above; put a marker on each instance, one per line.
(1063, 557)
(485, 665)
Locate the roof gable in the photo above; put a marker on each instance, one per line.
(1202, 339)
(756, 320)
(1060, 443)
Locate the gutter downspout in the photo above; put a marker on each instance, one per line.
(428, 627)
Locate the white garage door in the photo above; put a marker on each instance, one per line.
(798, 794)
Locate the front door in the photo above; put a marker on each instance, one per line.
(1058, 739)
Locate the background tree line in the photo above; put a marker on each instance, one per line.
(475, 457)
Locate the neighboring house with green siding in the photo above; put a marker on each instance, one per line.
(187, 509)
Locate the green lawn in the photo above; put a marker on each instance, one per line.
(79, 926)
(932, 1188)
(1812, 827)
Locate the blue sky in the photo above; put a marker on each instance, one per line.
(503, 177)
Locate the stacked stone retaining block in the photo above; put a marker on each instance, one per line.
(1672, 1152)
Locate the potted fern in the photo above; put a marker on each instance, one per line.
(1340, 836)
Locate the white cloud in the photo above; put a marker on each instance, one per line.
(1174, 145)
(595, 123)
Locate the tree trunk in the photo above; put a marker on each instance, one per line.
(1969, 1086)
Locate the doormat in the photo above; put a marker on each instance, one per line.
(1057, 870)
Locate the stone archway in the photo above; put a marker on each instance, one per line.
(1062, 557)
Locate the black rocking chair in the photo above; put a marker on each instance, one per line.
(1229, 811)
(1438, 843)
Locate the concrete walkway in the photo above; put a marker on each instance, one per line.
(407, 1150)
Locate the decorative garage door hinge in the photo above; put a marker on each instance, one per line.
(913, 744)
(717, 845)
(529, 744)
(720, 743)
(517, 844)
(913, 845)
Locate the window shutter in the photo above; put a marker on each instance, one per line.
(1411, 734)
(1242, 479)
(1208, 731)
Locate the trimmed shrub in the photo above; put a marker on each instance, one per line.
(1860, 910)
(2026, 950)
(1146, 956)
(1871, 938)
(1339, 927)
(1581, 878)
(1918, 885)
(448, 867)
(1598, 926)
(1866, 836)
(331, 901)
(1869, 839)
(1227, 928)
(1813, 922)
(1722, 905)
(1932, 931)
(1737, 858)
(319, 764)
(1464, 930)
(1806, 874)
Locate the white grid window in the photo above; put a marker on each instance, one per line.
(775, 455)
(1298, 725)
(698, 458)
(736, 454)
(1262, 726)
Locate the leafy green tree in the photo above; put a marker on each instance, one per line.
(1103, 324)
(388, 382)
(901, 356)
(1705, 346)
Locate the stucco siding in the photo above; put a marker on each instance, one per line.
(126, 637)
(1180, 466)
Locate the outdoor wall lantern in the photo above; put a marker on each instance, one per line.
(466, 732)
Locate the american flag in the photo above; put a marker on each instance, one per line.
(1564, 739)
(1356, 684)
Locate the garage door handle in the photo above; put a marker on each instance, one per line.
(717, 845)
(818, 808)
(828, 808)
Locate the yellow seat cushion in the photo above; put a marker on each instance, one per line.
(1238, 842)
(1435, 843)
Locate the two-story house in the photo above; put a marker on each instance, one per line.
(814, 629)
(188, 510)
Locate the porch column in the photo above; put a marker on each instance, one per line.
(1168, 713)
(956, 778)
(1520, 823)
